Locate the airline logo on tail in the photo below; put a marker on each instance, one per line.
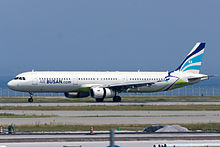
(193, 61)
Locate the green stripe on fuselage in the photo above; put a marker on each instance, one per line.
(179, 84)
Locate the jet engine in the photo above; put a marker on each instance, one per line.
(98, 92)
(76, 94)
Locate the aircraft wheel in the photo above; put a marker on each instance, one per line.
(30, 100)
(117, 99)
(99, 100)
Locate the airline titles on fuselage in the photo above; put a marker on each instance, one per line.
(55, 80)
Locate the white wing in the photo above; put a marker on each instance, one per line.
(124, 86)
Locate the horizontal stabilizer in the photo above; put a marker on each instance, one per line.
(206, 77)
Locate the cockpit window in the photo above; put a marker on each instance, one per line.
(19, 78)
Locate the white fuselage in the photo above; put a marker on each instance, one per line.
(72, 81)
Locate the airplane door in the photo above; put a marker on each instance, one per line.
(124, 79)
(35, 81)
(75, 81)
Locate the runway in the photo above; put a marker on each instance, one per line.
(100, 140)
(113, 117)
(178, 143)
(110, 117)
(113, 103)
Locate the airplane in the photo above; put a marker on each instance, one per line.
(102, 85)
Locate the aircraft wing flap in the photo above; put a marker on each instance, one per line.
(125, 86)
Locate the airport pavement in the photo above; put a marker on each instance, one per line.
(124, 140)
(112, 117)
(70, 113)
(112, 103)
(178, 143)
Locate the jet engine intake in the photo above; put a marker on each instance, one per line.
(98, 92)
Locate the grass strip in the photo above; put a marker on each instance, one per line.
(118, 108)
(10, 115)
(129, 127)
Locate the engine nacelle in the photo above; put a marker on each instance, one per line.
(98, 92)
(76, 94)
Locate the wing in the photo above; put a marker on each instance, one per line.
(124, 86)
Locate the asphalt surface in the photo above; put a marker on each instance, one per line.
(112, 117)
(113, 103)
(105, 136)
(128, 140)
(178, 143)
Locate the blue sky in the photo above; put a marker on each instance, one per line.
(106, 35)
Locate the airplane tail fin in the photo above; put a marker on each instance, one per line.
(193, 60)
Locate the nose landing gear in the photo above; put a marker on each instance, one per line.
(30, 100)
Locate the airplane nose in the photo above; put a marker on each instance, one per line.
(11, 85)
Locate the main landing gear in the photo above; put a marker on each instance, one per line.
(116, 99)
(99, 99)
(30, 100)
